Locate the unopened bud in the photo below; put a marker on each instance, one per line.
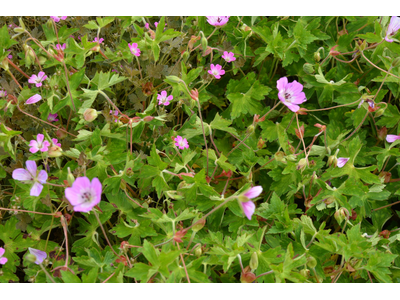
(300, 133)
(386, 176)
(174, 79)
(55, 151)
(198, 252)
(194, 94)
(4, 64)
(305, 273)
(254, 261)
(379, 112)
(317, 56)
(31, 258)
(340, 215)
(61, 134)
(332, 161)
(308, 68)
(247, 277)
(280, 156)
(199, 225)
(260, 143)
(185, 56)
(250, 129)
(70, 177)
(311, 262)
(382, 133)
(302, 164)
(291, 157)
(148, 118)
(90, 114)
(204, 42)
(333, 52)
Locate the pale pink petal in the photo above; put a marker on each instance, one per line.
(342, 161)
(73, 196)
(253, 192)
(163, 94)
(31, 167)
(22, 175)
(32, 79)
(170, 97)
(248, 208)
(292, 107)
(281, 84)
(34, 99)
(42, 177)
(34, 146)
(36, 189)
(40, 138)
(45, 146)
(40, 255)
(390, 138)
(97, 187)
(2, 251)
(3, 260)
(41, 75)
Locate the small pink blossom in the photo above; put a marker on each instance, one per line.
(52, 118)
(229, 56)
(34, 99)
(96, 40)
(394, 26)
(3, 93)
(290, 94)
(31, 176)
(248, 206)
(113, 70)
(115, 113)
(216, 70)
(342, 161)
(390, 138)
(9, 56)
(38, 79)
(58, 18)
(84, 195)
(156, 24)
(217, 21)
(181, 143)
(39, 144)
(134, 49)
(61, 47)
(147, 26)
(55, 142)
(253, 192)
(163, 99)
(40, 255)
(3, 260)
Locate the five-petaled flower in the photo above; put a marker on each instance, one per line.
(394, 26)
(181, 143)
(218, 20)
(96, 40)
(341, 161)
(216, 70)
(40, 255)
(31, 175)
(58, 18)
(35, 98)
(84, 195)
(229, 56)
(39, 144)
(163, 99)
(290, 94)
(61, 47)
(3, 93)
(38, 79)
(248, 206)
(55, 142)
(134, 49)
(390, 138)
(52, 118)
(3, 260)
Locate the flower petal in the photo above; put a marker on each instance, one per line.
(3, 260)
(31, 167)
(97, 188)
(254, 192)
(22, 175)
(248, 208)
(36, 189)
(40, 255)
(34, 99)
(390, 138)
(281, 84)
(42, 177)
(2, 250)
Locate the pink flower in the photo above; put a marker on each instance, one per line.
(147, 26)
(181, 143)
(96, 40)
(52, 118)
(58, 18)
(156, 24)
(342, 161)
(390, 138)
(34, 99)
(61, 47)
(290, 93)
(40, 255)
(163, 99)
(38, 79)
(217, 21)
(55, 142)
(134, 49)
(229, 56)
(3, 93)
(216, 71)
(39, 144)
(3, 260)
(248, 206)
(115, 113)
(84, 195)
(31, 176)
(394, 26)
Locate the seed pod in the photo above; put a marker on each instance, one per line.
(311, 262)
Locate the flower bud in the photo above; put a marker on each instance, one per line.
(333, 52)
(204, 42)
(332, 161)
(379, 112)
(174, 79)
(148, 118)
(340, 215)
(302, 164)
(386, 176)
(260, 143)
(247, 277)
(194, 94)
(280, 156)
(185, 57)
(199, 225)
(31, 258)
(382, 133)
(305, 273)
(90, 114)
(4, 64)
(317, 56)
(291, 157)
(70, 177)
(55, 151)
(61, 134)
(254, 261)
(300, 133)
(198, 252)
(250, 129)
(311, 262)
(308, 68)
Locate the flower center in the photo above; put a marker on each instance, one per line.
(86, 196)
(215, 72)
(288, 97)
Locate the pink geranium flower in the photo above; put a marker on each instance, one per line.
(163, 99)
(3, 93)
(217, 21)
(61, 47)
(40, 255)
(96, 40)
(58, 18)
(115, 114)
(147, 25)
(39, 144)
(84, 195)
(52, 118)
(3, 260)
(229, 56)
(342, 161)
(249, 206)
(390, 138)
(31, 176)
(38, 79)
(55, 142)
(290, 94)
(217, 71)
(181, 143)
(34, 99)
(134, 49)
(394, 26)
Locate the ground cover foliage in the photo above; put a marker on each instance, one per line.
(139, 149)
